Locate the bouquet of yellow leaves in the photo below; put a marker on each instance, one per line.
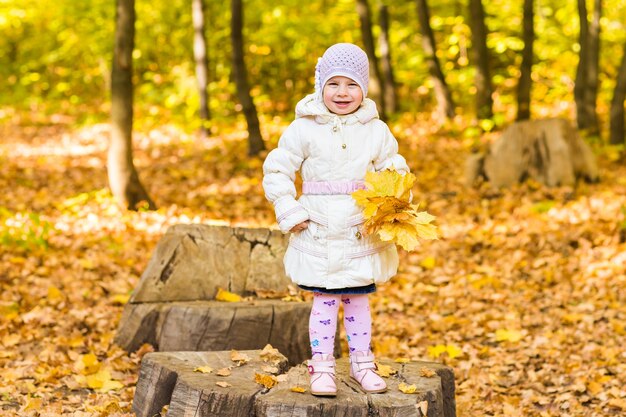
(389, 213)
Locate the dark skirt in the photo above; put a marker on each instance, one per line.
(367, 289)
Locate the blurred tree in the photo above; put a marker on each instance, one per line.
(525, 80)
(442, 92)
(255, 140)
(586, 87)
(617, 131)
(484, 89)
(123, 178)
(389, 82)
(378, 88)
(202, 63)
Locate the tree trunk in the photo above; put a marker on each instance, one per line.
(484, 90)
(618, 135)
(442, 92)
(391, 100)
(581, 73)
(363, 9)
(123, 178)
(255, 140)
(202, 63)
(525, 80)
(586, 86)
(591, 93)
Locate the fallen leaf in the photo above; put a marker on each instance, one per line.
(507, 335)
(423, 407)
(223, 384)
(230, 297)
(271, 354)
(298, 388)
(402, 360)
(239, 358)
(385, 370)
(407, 389)
(427, 372)
(270, 369)
(268, 381)
(203, 369)
(223, 372)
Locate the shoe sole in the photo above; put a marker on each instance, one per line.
(324, 394)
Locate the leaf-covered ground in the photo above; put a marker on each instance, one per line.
(524, 295)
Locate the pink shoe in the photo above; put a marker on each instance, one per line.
(362, 368)
(322, 371)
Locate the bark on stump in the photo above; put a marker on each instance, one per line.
(214, 325)
(549, 151)
(173, 306)
(168, 378)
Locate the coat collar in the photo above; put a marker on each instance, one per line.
(313, 106)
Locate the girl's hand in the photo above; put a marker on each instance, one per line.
(300, 226)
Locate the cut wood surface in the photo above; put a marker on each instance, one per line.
(215, 325)
(549, 151)
(192, 261)
(168, 378)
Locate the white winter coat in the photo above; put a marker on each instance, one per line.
(331, 253)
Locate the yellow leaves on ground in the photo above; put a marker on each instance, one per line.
(92, 374)
(298, 389)
(427, 372)
(223, 295)
(223, 384)
(389, 213)
(402, 360)
(453, 351)
(203, 369)
(507, 335)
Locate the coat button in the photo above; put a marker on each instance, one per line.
(358, 235)
(343, 146)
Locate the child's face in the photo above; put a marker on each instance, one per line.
(342, 95)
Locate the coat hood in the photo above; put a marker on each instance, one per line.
(313, 106)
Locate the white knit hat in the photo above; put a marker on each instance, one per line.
(343, 59)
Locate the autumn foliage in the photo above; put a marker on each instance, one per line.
(524, 293)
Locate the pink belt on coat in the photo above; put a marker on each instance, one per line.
(332, 187)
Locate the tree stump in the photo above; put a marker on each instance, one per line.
(173, 306)
(192, 261)
(549, 151)
(168, 378)
(214, 325)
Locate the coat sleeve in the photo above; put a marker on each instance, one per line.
(388, 156)
(279, 174)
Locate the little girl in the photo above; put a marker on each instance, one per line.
(334, 141)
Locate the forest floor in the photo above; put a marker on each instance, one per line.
(524, 295)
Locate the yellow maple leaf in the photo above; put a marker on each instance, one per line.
(223, 295)
(406, 388)
(298, 389)
(427, 372)
(453, 351)
(507, 335)
(268, 381)
(385, 370)
(402, 360)
(102, 381)
(388, 212)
